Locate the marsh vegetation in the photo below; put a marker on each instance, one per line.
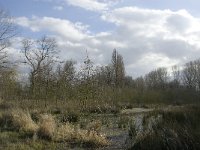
(58, 105)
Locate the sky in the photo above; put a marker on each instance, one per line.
(147, 33)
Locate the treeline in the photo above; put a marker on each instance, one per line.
(50, 79)
(178, 84)
(53, 80)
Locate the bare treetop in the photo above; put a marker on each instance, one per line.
(40, 53)
(7, 31)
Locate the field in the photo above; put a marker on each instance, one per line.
(136, 127)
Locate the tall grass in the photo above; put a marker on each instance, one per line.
(18, 120)
(167, 130)
(74, 134)
(47, 126)
(50, 129)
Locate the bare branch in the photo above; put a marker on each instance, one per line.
(7, 31)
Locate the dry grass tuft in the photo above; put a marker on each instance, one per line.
(89, 138)
(48, 129)
(47, 126)
(65, 132)
(22, 120)
(93, 139)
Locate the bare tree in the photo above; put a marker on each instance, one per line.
(104, 75)
(139, 83)
(65, 79)
(157, 78)
(176, 74)
(88, 68)
(189, 75)
(197, 64)
(151, 79)
(7, 31)
(39, 55)
(118, 69)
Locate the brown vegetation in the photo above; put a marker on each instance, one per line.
(49, 129)
(166, 130)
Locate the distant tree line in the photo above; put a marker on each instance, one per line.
(51, 79)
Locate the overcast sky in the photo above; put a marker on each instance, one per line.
(148, 33)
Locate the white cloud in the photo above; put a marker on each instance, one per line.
(146, 38)
(151, 61)
(174, 35)
(93, 5)
(59, 8)
(64, 28)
